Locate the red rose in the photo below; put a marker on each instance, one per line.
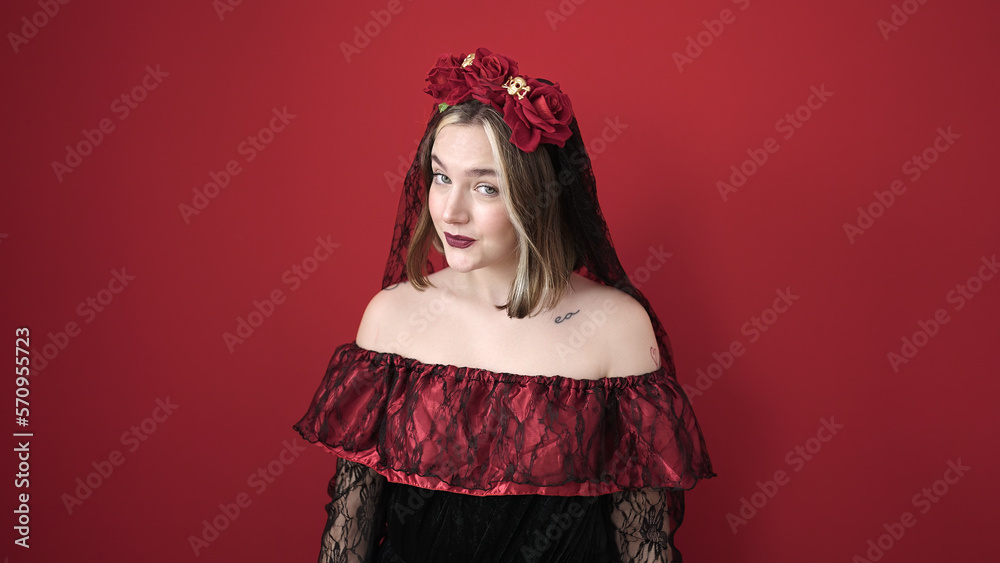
(495, 96)
(542, 116)
(488, 73)
(446, 82)
(491, 68)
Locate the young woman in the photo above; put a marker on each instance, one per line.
(520, 404)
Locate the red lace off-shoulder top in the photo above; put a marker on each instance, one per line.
(478, 432)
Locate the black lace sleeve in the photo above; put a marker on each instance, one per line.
(644, 522)
(355, 515)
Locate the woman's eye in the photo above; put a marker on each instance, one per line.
(485, 189)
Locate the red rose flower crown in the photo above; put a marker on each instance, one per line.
(536, 111)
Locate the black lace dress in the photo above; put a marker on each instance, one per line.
(440, 463)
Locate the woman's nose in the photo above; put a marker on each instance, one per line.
(455, 207)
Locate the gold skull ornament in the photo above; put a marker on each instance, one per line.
(517, 86)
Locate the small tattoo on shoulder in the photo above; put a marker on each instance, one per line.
(655, 353)
(566, 317)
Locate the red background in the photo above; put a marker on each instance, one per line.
(324, 175)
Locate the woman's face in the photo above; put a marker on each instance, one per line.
(464, 201)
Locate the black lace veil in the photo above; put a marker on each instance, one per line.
(645, 519)
(581, 211)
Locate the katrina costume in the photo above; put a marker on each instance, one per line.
(445, 463)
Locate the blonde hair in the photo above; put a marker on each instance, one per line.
(530, 194)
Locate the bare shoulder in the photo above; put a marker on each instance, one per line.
(383, 311)
(627, 335)
(389, 323)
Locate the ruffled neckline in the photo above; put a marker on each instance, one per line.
(476, 431)
(483, 374)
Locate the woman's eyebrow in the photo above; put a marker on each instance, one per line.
(474, 172)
